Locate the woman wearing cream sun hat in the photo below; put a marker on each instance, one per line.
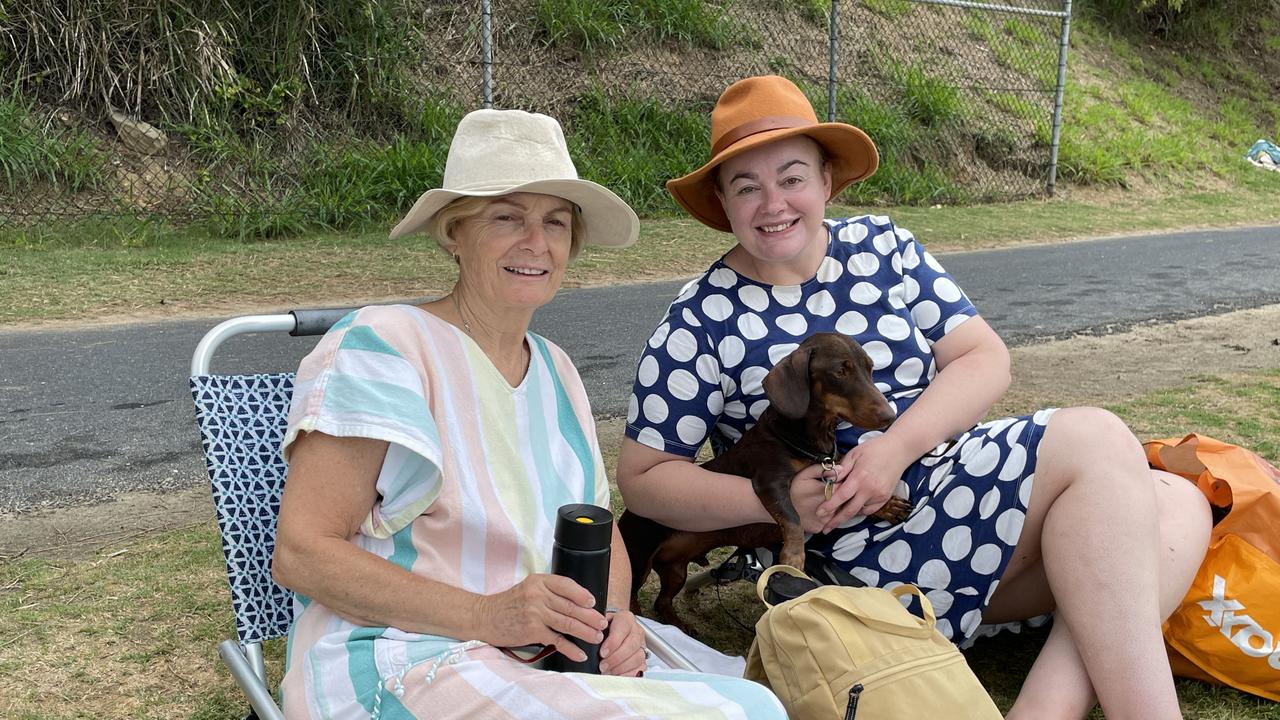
(1012, 517)
(429, 449)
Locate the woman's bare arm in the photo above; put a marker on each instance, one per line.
(330, 489)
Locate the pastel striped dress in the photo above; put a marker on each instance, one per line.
(467, 495)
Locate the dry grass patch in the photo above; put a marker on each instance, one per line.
(129, 629)
(104, 274)
(128, 633)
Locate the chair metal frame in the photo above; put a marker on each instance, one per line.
(258, 602)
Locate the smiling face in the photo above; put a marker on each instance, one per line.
(775, 197)
(513, 252)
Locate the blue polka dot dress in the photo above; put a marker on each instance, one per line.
(701, 376)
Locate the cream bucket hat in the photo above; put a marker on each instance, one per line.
(496, 152)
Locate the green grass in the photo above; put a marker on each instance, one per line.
(600, 26)
(142, 617)
(1021, 46)
(113, 268)
(341, 183)
(33, 153)
(928, 100)
(889, 8)
(817, 11)
(632, 144)
(1240, 410)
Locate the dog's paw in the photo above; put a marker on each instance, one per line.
(894, 511)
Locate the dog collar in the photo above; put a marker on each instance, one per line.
(826, 460)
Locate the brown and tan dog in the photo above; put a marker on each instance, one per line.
(825, 380)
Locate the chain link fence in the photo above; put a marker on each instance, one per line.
(961, 97)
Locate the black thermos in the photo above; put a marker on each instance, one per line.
(584, 534)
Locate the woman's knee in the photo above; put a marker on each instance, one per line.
(1184, 511)
(1086, 439)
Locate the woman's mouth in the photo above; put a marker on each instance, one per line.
(777, 228)
(532, 272)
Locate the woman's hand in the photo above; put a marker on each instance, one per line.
(809, 491)
(875, 467)
(623, 650)
(542, 609)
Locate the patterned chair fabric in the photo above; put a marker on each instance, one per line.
(242, 422)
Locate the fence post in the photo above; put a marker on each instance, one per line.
(486, 54)
(1057, 98)
(831, 65)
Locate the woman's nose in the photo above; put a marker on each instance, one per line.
(534, 239)
(772, 201)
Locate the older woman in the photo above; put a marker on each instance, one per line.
(429, 448)
(1013, 518)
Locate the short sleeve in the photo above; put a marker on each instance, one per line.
(676, 398)
(935, 300)
(357, 382)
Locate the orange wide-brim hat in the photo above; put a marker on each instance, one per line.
(759, 110)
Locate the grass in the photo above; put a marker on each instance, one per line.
(143, 616)
(249, 191)
(251, 65)
(111, 268)
(598, 26)
(32, 153)
(889, 8)
(632, 143)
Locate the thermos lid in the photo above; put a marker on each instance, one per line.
(584, 527)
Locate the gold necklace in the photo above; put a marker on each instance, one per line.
(458, 306)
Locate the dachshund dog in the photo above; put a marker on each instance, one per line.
(825, 380)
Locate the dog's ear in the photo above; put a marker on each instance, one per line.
(787, 384)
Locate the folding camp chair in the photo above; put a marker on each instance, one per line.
(242, 422)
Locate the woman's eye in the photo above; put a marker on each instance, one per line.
(746, 190)
(793, 181)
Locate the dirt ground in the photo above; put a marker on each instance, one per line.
(1086, 370)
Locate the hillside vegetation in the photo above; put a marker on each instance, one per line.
(295, 117)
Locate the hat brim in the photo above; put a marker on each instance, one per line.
(607, 220)
(852, 155)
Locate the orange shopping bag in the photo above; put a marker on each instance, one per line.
(1227, 629)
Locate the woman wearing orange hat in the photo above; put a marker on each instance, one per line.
(1055, 511)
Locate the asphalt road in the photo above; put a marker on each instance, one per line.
(86, 414)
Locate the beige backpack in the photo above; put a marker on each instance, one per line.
(856, 653)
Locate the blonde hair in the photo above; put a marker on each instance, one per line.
(446, 220)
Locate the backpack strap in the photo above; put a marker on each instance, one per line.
(859, 601)
(764, 592)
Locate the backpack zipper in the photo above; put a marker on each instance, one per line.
(852, 709)
(879, 677)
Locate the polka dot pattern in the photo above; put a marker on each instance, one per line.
(701, 374)
(965, 525)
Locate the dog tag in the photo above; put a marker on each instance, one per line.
(828, 476)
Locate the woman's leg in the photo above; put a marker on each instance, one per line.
(1098, 521)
